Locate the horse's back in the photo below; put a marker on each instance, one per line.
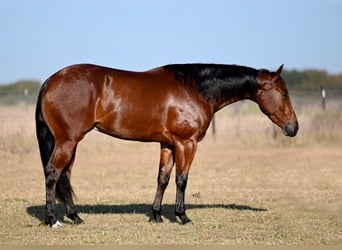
(99, 77)
(146, 106)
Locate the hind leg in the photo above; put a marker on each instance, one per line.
(165, 167)
(60, 158)
(64, 193)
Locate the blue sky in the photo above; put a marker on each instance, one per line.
(39, 37)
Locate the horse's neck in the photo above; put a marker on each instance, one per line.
(224, 84)
(235, 90)
(232, 95)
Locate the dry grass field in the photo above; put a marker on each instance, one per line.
(247, 185)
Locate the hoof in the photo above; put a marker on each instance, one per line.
(78, 221)
(56, 224)
(75, 218)
(157, 217)
(52, 222)
(184, 219)
(189, 222)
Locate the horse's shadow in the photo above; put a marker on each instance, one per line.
(38, 211)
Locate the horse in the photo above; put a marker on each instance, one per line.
(172, 105)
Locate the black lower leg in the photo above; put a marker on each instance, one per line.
(181, 182)
(163, 181)
(51, 217)
(64, 193)
(50, 182)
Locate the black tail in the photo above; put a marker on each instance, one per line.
(45, 138)
(46, 143)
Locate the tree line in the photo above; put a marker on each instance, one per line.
(19, 92)
(312, 79)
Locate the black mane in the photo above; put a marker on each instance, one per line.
(215, 81)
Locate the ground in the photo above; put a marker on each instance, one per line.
(246, 186)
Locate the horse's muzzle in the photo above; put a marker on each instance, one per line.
(291, 129)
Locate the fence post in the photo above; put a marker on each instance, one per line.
(323, 95)
(26, 93)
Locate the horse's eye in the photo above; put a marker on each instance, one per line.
(285, 94)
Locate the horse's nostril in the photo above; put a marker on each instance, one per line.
(291, 129)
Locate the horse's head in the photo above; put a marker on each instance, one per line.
(274, 101)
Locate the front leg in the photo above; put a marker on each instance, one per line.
(185, 153)
(181, 182)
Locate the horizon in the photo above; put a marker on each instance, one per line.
(284, 70)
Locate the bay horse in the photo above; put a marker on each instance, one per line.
(172, 105)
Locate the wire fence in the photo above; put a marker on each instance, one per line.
(317, 99)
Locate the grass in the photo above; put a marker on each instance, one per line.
(244, 188)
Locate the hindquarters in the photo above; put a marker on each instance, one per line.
(62, 121)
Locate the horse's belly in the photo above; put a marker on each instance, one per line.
(134, 127)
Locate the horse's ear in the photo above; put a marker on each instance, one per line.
(279, 70)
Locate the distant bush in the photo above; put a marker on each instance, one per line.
(19, 92)
(312, 79)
